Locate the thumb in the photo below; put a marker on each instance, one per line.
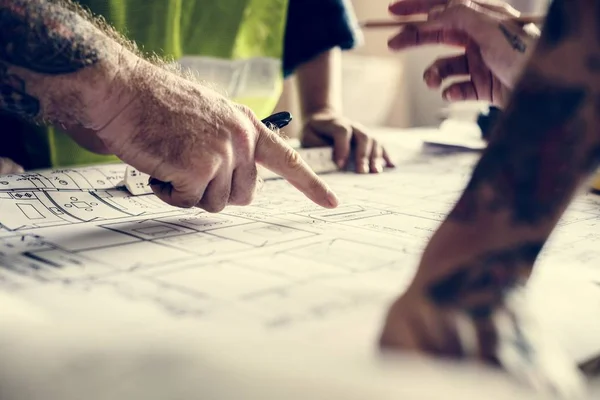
(341, 134)
(177, 195)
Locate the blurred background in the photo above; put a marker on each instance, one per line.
(381, 88)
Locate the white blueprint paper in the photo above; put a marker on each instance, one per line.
(280, 269)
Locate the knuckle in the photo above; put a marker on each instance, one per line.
(460, 4)
(244, 199)
(188, 202)
(247, 111)
(293, 159)
(507, 9)
(244, 137)
(213, 207)
(343, 132)
(458, 8)
(361, 136)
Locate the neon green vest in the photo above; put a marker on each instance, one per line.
(237, 44)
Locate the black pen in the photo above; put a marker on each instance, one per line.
(278, 120)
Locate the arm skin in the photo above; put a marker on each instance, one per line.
(54, 63)
(320, 93)
(319, 84)
(58, 66)
(539, 155)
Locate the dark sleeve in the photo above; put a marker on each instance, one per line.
(316, 26)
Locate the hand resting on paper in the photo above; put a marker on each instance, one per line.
(323, 127)
(466, 298)
(60, 66)
(495, 49)
(324, 123)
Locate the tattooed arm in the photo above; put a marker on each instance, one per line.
(544, 149)
(55, 65)
(58, 66)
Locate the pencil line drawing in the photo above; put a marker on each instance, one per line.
(281, 262)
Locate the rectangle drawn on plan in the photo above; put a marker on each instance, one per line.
(30, 211)
(149, 229)
(346, 213)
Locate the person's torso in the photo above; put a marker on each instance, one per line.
(236, 45)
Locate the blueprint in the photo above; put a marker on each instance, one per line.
(75, 245)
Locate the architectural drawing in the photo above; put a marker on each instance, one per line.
(281, 262)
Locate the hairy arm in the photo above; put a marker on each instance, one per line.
(539, 155)
(56, 65)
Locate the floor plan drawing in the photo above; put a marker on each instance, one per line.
(277, 264)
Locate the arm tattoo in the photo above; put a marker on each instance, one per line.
(40, 36)
(479, 286)
(560, 23)
(515, 41)
(14, 98)
(44, 38)
(531, 168)
(540, 152)
(542, 147)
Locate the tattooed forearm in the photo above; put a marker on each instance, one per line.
(534, 161)
(478, 286)
(515, 41)
(562, 22)
(540, 153)
(55, 63)
(543, 147)
(44, 37)
(13, 96)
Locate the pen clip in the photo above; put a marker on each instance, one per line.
(277, 120)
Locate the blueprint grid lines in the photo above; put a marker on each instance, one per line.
(279, 263)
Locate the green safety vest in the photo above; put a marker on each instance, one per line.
(236, 44)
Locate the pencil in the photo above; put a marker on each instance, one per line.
(374, 24)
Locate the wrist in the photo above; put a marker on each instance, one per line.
(113, 88)
(323, 109)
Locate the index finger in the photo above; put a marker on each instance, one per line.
(410, 7)
(275, 154)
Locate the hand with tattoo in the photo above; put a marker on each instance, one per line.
(58, 65)
(462, 299)
(495, 49)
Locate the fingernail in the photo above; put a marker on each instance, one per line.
(378, 168)
(332, 198)
(340, 163)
